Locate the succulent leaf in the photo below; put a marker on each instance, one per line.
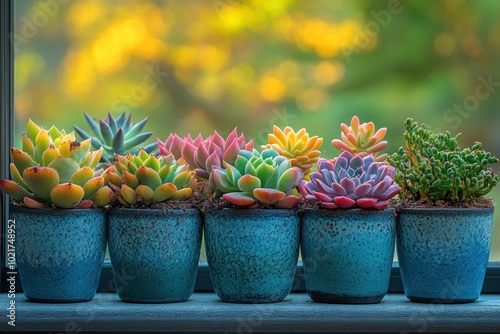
(92, 186)
(67, 195)
(239, 199)
(13, 189)
(82, 176)
(41, 181)
(21, 160)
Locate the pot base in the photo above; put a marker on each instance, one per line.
(250, 299)
(153, 301)
(329, 298)
(58, 301)
(440, 300)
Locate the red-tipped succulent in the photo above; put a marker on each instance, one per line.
(264, 177)
(203, 155)
(350, 181)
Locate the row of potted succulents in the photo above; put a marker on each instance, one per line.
(256, 208)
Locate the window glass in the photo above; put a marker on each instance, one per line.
(196, 66)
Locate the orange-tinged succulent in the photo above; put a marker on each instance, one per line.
(361, 139)
(156, 179)
(54, 168)
(302, 150)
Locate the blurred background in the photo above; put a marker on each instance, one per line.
(196, 66)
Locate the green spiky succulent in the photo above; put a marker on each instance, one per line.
(152, 178)
(116, 136)
(266, 177)
(54, 168)
(433, 166)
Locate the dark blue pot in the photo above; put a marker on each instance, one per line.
(252, 253)
(154, 254)
(443, 253)
(348, 254)
(59, 253)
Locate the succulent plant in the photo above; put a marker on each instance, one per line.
(54, 168)
(350, 181)
(118, 135)
(266, 177)
(156, 179)
(361, 139)
(432, 166)
(203, 155)
(301, 150)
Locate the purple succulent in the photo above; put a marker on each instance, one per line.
(350, 181)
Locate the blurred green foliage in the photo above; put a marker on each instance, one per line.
(202, 65)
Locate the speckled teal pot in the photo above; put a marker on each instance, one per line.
(348, 254)
(443, 253)
(252, 253)
(59, 253)
(154, 254)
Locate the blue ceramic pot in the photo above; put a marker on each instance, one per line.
(348, 254)
(443, 253)
(154, 254)
(252, 253)
(59, 253)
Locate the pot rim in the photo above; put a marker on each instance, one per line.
(149, 211)
(58, 211)
(250, 212)
(350, 211)
(447, 210)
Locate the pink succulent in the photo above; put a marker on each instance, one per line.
(205, 154)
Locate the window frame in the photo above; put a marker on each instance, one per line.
(7, 118)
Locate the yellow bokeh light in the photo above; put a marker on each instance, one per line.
(328, 73)
(79, 73)
(208, 87)
(83, 14)
(241, 76)
(272, 89)
(210, 58)
(311, 99)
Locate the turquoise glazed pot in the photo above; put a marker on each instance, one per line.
(348, 254)
(443, 253)
(59, 253)
(252, 253)
(154, 254)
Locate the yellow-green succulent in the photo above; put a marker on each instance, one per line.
(54, 168)
(151, 178)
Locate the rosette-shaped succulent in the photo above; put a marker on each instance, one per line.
(118, 135)
(301, 150)
(156, 179)
(361, 139)
(54, 168)
(203, 155)
(266, 177)
(350, 181)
